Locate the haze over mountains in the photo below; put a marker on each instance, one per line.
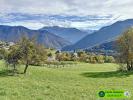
(105, 34)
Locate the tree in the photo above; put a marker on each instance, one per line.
(109, 59)
(100, 59)
(13, 56)
(93, 59)
(32, 52)
(83, 56)
(68, 57)
(65, 56)
(125, 49)
(74, 56)
(39, 56)
(3, 53)
(27, 47)
(58, 56)
(50, 54)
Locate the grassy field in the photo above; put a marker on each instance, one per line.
(79, 82)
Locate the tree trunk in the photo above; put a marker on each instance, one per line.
(131, 65)
(26, 67)
(128, 66)
(14, 68)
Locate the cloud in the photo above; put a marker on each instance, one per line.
(68, 13)
(35, 21)
(68, 7)
(28, 24)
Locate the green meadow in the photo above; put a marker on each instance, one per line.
(82, 81)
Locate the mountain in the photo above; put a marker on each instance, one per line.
(14, 33)
(71, 34)
(105, 34)
(105, 46)
(51, 40)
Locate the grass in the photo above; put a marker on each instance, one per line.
(78, 82)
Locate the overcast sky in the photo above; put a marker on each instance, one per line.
(82, 14)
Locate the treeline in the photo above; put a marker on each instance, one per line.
(84, 57)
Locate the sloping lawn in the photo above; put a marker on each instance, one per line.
(78, 82)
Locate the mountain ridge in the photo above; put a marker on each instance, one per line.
(71, 34)
(105, 34)
(14, 33)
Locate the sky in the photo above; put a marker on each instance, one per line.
(81, 14)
